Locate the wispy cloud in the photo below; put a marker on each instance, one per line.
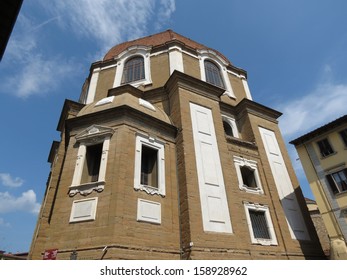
(33, 71)
(30, 70)
(38, 75)
(111, 21)
(324, 104)
(8, 181)
(165, 11)
(26, 202)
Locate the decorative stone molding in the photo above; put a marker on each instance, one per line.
(252, 165)
(86, 189)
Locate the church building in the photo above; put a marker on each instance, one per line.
(167, 156)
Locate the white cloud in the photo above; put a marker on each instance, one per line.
(39, 75)
(7, 180)
(31, 72)
(111, 21)
(26, 202)
(166, 9)
(323, 105)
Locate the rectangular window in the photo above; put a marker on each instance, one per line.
(248, 177)
(149, 166)
(325, 147)
(343, 134)
(338, 181)
(259, 224)
(92, 164)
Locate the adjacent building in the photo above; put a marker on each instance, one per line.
(166, 156)
(323, 154)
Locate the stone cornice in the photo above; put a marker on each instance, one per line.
(125, 89)
(121, 113)
(194, 85)
(69, 107)
(251, 107)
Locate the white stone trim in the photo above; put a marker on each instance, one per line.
(221, 63)
(246, 87)
(104, 101)
(146, 104)
(83, 210)
(148, 211)
(176, 59)
(143, 51)
(92, 85)
(213, 199)
(233, 125)
(284, 185)
(142, 140)
(264, 208)
(252, 164)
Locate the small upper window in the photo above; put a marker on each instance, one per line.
(338, 181)
(133, 70)
(213, 74)
(228, 129)
(343, 134)
(248, 177)
(325, 147)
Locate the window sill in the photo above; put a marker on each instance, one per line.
(250, 190)
(340, 193)
(264, 242)
(332, 154)
(87, 188)
(149, 189)
(136, 84)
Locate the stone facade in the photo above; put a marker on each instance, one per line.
(198, 208)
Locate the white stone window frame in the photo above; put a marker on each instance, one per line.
(129, 53)
(221, 64)
(232, 123)
(143, 140)
(264, 208)
(252, 164)
(93, 135)
(90, 215)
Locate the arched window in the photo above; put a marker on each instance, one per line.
(228, 130)
(213, 75)
(133, 70)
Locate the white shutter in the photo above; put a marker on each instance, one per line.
(214, 205)
(284, 186)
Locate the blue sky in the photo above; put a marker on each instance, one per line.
(294, 53)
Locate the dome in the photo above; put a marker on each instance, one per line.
(157, 40)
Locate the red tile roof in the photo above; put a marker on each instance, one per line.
(158, 40)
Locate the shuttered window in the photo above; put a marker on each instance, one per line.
(338, 181)
(325, 147)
